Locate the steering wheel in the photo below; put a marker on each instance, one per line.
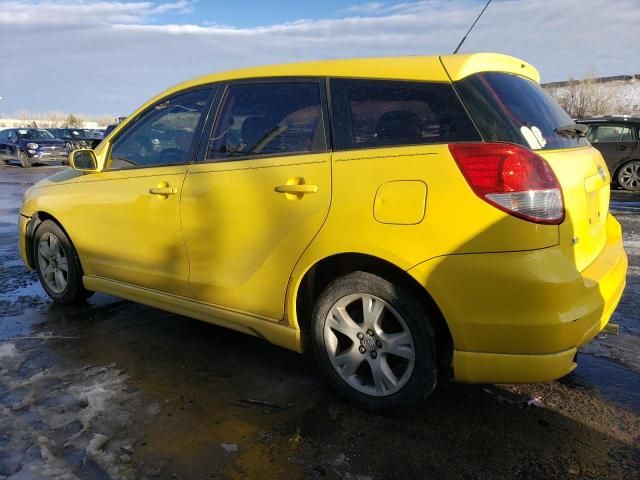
(172, 155)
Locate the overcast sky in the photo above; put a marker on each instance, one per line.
(98, 57)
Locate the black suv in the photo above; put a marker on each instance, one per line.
(75, 138)
(617, 138)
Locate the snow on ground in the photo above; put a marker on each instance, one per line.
(64, 422)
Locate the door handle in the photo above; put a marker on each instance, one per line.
(297, 189)
(622, 147)
(163, 191)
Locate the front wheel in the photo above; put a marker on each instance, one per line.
(58, 265)
(24, 160)
(629, 176)
(374, 343)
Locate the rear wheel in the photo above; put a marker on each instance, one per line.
(58, 264)
(374, 343)
(629, 176)
(24, 160)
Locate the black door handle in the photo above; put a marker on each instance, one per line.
(622, 147)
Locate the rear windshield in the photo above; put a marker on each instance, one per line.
(510, 108)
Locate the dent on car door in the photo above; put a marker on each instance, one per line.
(259, 196)
(128, 215)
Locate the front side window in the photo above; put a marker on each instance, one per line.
(271, 118)
(378, 113)
(162, 135)
(610, 133)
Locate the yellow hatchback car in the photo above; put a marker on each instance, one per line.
(406, 218)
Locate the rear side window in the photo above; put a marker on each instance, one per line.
(379, 113)
(510, 108)
(609, 133)
(270, 118)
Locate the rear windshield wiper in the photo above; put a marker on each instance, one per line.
(572, 130)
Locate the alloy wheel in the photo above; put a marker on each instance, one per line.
(369, 344)
(53, 263)
(629, 176)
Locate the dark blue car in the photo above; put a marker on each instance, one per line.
(31, 145)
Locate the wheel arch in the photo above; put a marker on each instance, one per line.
(36, 219)
(618, 166)
(324, 271)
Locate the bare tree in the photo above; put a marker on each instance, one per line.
(55, 119)
(72, 121)
(24, 116)
(589, 97)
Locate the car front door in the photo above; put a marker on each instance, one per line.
(259, 195)
(11, 151)
(4, 139)
(128, 214)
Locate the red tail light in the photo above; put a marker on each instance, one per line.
(512, 178)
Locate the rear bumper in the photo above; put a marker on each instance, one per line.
(519, 317)
(473, 367)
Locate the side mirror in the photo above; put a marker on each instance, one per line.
(84, 160)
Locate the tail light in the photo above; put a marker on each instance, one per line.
(512, 178)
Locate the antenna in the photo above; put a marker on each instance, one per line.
(473, 25)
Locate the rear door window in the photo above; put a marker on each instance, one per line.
(610, 133)
(381, 113)
(511, 108)
(268, 118)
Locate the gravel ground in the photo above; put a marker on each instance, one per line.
(112, 389)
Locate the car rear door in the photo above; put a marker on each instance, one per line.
(259, 195)
(616, 142)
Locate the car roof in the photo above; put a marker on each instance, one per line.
(611, 119)
(436, 68)
(402, 68)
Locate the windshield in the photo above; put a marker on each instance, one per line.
(510, 108)
(34, 134)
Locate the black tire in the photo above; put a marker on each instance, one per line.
(628, 176)
(73, 291)
(421, 380)
(24, 160)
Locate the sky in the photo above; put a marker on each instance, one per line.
(108, 57)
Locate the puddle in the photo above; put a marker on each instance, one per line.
(614, 383)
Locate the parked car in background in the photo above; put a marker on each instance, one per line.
(109, 129)
(618, 139)
(31, 145)
(409, 219)
(113, 126)
(75, 138)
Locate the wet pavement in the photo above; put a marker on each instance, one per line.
(112, 389)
